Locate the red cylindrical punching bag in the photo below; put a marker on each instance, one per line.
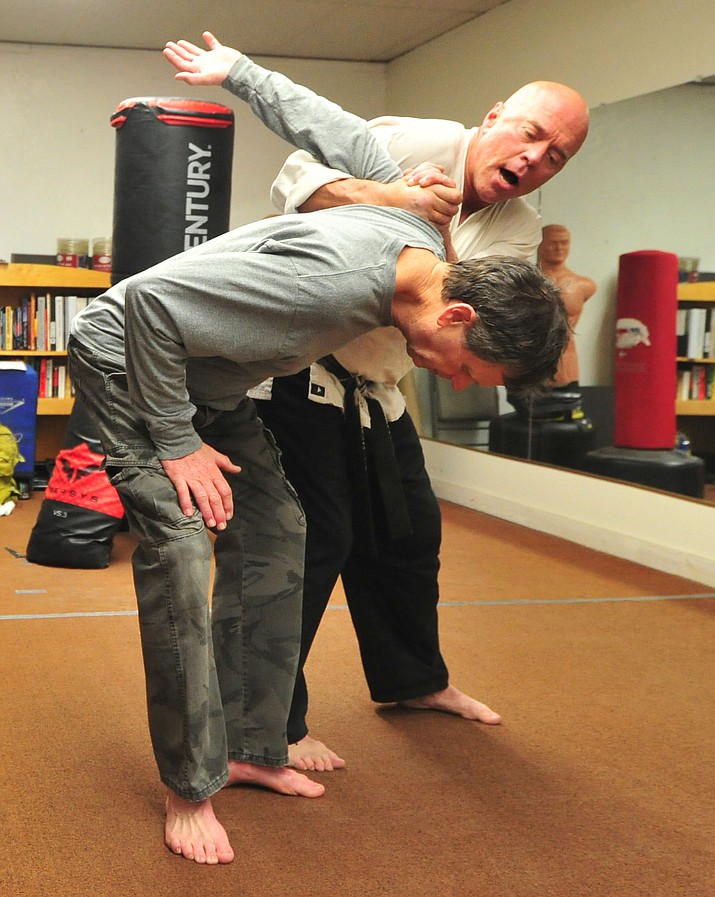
(172, 179)
(645, 370)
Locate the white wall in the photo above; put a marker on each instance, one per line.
(609, 51)
(57, 146)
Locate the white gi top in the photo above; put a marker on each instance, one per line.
(512, 227)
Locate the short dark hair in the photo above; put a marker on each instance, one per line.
(521, 320)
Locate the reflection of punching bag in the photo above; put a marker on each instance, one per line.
(172, 179)
(644, 381)
(645, 374)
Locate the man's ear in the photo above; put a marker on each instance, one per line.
(457, 313)
(492, 116)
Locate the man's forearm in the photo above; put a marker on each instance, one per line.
(436, 204)
(351, 191)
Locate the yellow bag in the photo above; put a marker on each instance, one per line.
(9, 457)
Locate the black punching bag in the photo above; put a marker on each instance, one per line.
(172, 190)
(172, 179)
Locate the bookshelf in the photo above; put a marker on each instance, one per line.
(17, 283)
(696, 415)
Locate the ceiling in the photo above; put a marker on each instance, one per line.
(360, 30)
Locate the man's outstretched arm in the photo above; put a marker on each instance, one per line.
(293, 112)
(338, 139)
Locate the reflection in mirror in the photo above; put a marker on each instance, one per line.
(462, 416)
(642, 180)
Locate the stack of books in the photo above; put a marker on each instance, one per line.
(696, 332)
(40, 323)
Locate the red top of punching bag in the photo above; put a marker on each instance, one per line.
(176, 111)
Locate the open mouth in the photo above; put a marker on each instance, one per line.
(509, 176)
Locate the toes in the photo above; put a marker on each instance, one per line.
(198, 853)
(225, 855)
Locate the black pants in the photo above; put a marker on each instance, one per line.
(392, 596)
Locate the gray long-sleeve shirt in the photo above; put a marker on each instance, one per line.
(266, 299)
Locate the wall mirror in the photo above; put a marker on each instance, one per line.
(643, 180)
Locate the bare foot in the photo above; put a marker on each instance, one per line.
(309, 753)
(452, 700)
(192, 831)
(278, 778)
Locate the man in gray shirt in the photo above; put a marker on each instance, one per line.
(163, 361)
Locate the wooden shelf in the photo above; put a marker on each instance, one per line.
(30, 353)
(51, 277)
(700, 291)
(695, 407)
(54, 406)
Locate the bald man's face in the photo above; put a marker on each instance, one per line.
(524, 142)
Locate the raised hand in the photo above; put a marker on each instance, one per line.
(196, 66)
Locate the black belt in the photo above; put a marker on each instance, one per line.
(386, 472)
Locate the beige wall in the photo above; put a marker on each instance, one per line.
(57, 146)
(608, 50)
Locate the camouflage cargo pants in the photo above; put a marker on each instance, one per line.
(219, 678)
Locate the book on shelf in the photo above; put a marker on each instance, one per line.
(697, 318)
(49, 377)
(53, 381)
(70, 310)
(683, 387)
(40, 324)
(7, 329)
(58, 309)
(681, 331)
(697, 383)
(61, 381)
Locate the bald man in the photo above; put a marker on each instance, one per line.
(391, 585)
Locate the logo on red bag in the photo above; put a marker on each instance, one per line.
(79, 479)
(631, 332)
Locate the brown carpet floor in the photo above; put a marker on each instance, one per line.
(598, 784)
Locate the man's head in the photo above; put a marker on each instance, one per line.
(523, 142)
(503, 323)
(554, 246)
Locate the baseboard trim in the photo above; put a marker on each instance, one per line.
(664, 532)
